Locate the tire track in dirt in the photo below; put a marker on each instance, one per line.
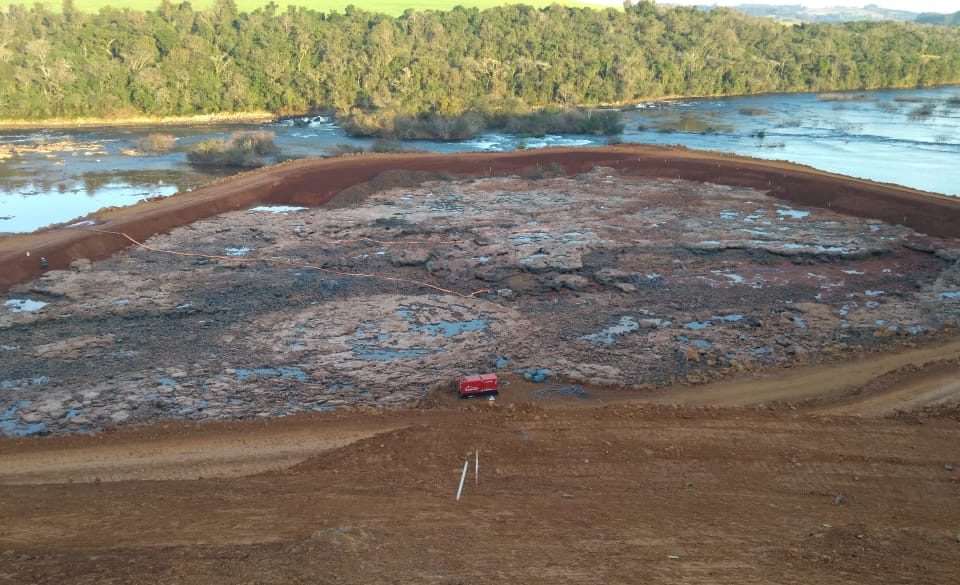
(921, 389)
(835, 382)
(231, 454)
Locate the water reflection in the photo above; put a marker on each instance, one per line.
(908, 137)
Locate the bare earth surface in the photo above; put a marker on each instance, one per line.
(622, 494)
(586, 283)
(702, 383)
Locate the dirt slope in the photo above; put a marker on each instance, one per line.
(836, 382)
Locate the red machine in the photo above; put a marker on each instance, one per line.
(478, 385)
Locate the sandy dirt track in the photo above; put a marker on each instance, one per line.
(314, 182)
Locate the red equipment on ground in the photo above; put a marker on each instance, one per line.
(478, 385)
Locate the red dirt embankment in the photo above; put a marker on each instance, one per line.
(314, 182)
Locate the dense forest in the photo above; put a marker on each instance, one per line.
(371, 67)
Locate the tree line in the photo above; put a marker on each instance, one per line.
(373, 68)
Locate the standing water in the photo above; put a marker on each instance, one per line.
(907, 137)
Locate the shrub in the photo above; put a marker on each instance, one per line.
(842, 97)
(155, 143)
(578, 121)
(437, 127)
(342, 149)
(922, 111)
(386, 145)
(242, 149)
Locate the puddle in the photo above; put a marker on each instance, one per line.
(949, 296)
(24, 305)
(34, 381)
(241, 251)
(800, 322)
(11, 426)
(727, 214)
(385, 355)
(753, 232)
(697, 325)
(451, 328)
(729, 318)
(732, 276)
(701, 343)
(445, 328)
(625, 325)
(277, 208)
(816, 248)
(875, 293)
(785, 212)
(281, 372)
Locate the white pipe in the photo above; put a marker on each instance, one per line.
(463, 477)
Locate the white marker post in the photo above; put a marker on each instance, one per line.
(477, 467)
(463, 477)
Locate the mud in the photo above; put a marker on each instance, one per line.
(603, 280)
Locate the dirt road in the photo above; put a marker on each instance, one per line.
(848, 384)
(621, 494)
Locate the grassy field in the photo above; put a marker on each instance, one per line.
(392, 7)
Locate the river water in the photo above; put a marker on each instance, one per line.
(907, 137)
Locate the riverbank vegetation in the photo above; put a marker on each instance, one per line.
(433, 126)
(242, 149)
(155, 143)
(436, 74)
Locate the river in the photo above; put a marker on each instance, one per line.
(908, 137)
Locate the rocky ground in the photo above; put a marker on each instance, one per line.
(599, 279)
